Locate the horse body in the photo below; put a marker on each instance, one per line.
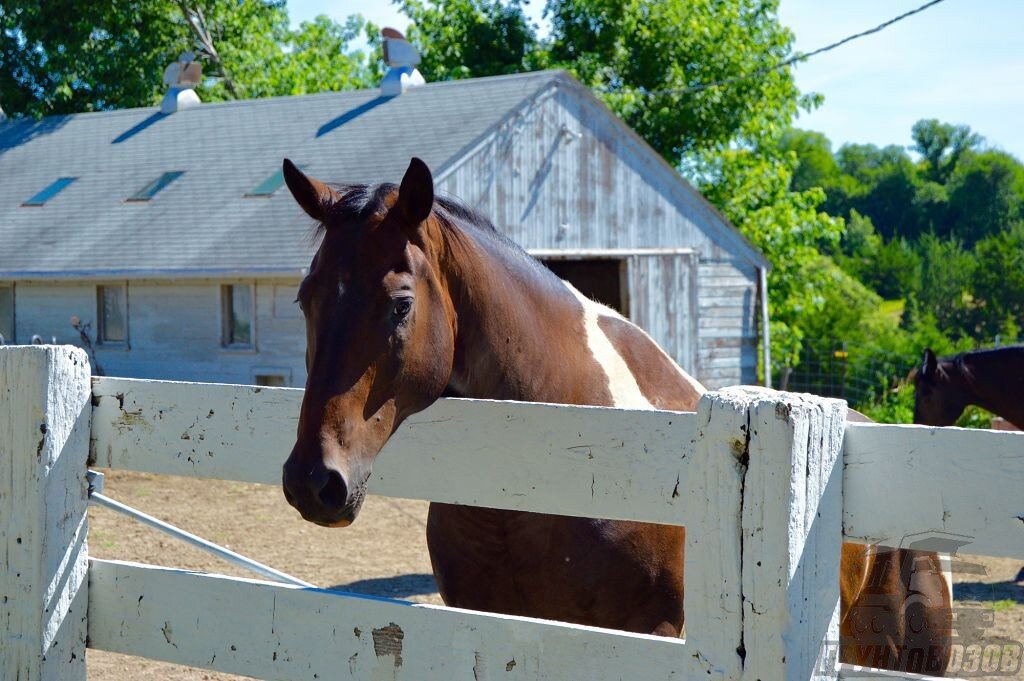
(991, 379)
(416, 297)
(535, 338)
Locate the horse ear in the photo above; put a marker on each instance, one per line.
(314, 196)
(416, 194)
(929, 364)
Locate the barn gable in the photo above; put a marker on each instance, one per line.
(567, 179)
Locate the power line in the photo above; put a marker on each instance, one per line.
(783, 64)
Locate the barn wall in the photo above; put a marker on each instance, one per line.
(174, 329)
(562, 175)
(727, 323)
(670, 317)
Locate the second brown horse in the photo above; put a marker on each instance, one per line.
(411, 297)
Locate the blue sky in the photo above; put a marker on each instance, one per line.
(961, 61)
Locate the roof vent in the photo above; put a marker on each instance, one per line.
(401, 58)
(180, 78)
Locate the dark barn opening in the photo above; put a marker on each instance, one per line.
(600, 279)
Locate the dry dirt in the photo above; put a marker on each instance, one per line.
(383, 554)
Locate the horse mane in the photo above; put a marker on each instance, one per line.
(360, 202)
(962, 368)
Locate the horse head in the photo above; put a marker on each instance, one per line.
(938, 397)
(380, 334)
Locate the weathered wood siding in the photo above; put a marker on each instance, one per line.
(561, 174)
(727, 321)
(174, 329)
(663, 297)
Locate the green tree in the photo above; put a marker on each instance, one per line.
(896, 270)
(941, 145)
(888, 184)
(752, 190)
(986, 195)
(860, 243)
(472, 38)
(947, 274)
(64, 56)
(816, 165)
(999, 283)
(60, 56)
(645, 57)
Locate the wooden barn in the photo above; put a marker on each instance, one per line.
(170, 231)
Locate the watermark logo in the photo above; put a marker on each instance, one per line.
(910, 630)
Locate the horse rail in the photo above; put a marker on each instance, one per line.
(579, 461)
(97, 498)
(721, 478)
(598, 462)
(900, 481)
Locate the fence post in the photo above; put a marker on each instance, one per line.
(45, 412)
(782, 452)
(714, 495)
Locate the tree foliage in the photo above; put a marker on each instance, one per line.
(472, 38)
(60, 56)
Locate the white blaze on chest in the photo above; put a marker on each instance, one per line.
(621, 383)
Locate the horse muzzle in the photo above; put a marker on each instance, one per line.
(323, 495)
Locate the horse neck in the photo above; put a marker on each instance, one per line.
(995, 381)
(515, 325)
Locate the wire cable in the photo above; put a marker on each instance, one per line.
(781, 65)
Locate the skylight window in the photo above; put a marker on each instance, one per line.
(268, 186)
(154, 187)
(51, 191)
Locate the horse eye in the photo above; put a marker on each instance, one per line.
(402, 307)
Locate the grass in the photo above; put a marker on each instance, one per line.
(1005, 604)
(893, 309)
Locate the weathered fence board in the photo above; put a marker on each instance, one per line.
(713, 600)
(952, 485)
(596, 462)
(44, 435)
(273, 631)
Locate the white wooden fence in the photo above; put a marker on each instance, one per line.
(767, 484)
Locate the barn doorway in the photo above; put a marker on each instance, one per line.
(601, 279)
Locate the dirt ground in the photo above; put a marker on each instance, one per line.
(383, 554)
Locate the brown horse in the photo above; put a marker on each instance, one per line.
(411, 297)
(991, 379)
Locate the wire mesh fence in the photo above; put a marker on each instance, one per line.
(856, 372)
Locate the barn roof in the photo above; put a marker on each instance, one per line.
(202, 222)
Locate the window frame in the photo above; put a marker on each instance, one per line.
(226, 308)
(101, 330)
(10, 286)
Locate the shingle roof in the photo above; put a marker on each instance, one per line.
(202, 222)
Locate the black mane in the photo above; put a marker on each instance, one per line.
(360, 202)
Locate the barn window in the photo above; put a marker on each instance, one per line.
(50, 191)
(236, 312)
(599, 279)
(154, 187)
(112, 313)
(6, 313)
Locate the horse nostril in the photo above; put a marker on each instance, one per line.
(334, 494)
